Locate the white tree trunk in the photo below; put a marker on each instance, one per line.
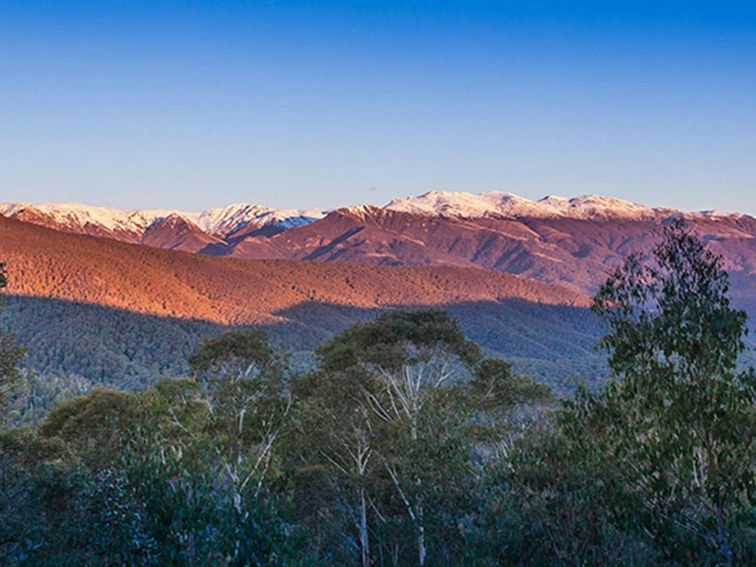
(421, 551)
(364, 539)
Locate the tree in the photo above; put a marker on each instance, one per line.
(10, 356)
(670, 314)
(404, 411)
(679, 426)
(416, 363)
(234, 354)
(95, 427)
(206, 456)
(335, 459)
(246, 399)
(207, 477)
(192, 466)
(53, 510)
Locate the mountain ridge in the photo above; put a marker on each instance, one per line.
(130, 225)
(225, 221)
(45, 263)
(574, 242)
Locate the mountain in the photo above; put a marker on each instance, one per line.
(507, 205)
(113, 311)
(177, 233)
(577, 250)
(573, 242)
(45, 263)
(208, 227)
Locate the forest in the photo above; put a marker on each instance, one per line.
(125, 316)
(405, 443)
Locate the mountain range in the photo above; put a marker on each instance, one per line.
(235, 222)
(571, 242)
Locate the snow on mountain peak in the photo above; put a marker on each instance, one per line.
(494, 203)
(453, 203)
(217, 222)
(226, 221)
(108, 218)
(362, 211)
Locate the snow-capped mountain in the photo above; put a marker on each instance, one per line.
(243, 218)
(507, 205)
(573, 242)
(550, 239)
(76, 216)
(135, 225)
(227, 220)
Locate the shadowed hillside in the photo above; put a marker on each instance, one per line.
(131, 350)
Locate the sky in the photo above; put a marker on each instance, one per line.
(198, 104)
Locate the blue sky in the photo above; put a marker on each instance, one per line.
(198, 104)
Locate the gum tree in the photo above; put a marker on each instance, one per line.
(679, 425)
(417, 363)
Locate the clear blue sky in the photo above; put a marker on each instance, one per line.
(197, 104)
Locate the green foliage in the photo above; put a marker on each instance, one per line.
(496, 387)
(53, 511)
(35, 396)
(670, 314)
(395, 413)
(398, 338)
(96, 426)
(234, 353)
(204, 459)
(676, 433)
(545, 506)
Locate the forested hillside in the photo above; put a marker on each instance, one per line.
(573, 242)
(117, 347)
(124, 314)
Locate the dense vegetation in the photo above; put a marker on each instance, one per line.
(128, 351)
(406, 445)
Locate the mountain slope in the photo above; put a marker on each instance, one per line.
(176, 233)
(573, 242)
(45, 263)
(569, 251)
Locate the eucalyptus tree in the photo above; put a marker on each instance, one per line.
(246, 400)
(416, 365)
(679, 426)
(333, 446)
(204, 455)
(198, 455)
